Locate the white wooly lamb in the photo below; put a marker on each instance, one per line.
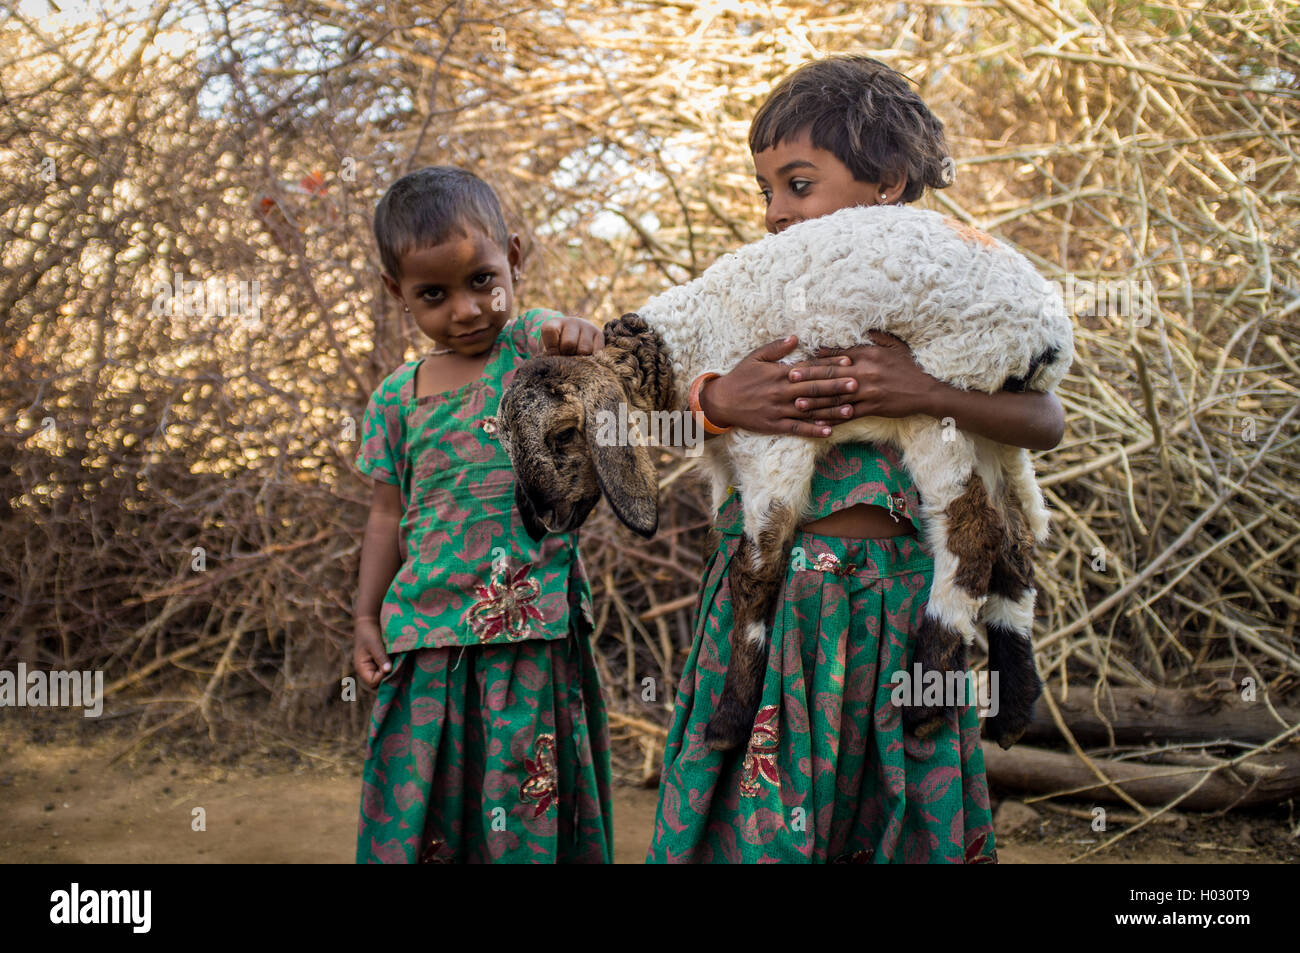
(975, 314)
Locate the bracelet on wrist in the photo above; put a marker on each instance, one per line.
(696, 386)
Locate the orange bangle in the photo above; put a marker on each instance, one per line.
(696, 386)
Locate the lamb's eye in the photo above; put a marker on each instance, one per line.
(565, 435)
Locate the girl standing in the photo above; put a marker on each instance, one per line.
(829, 773)
(488, 740)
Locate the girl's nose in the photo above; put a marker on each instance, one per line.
(466, 308)
(778, 217)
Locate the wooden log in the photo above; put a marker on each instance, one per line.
(1271, 777)
(1138, 717)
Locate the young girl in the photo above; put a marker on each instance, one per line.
(488, 741)
(829, 773)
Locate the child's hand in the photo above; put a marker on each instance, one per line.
(568, 335)
(884, 381)
(368, 656)
(758, 395)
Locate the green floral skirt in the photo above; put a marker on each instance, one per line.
(828, 774)
(489, 754)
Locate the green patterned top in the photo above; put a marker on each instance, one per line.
(470, 574)
(848, 474)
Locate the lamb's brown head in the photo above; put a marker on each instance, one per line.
(554, 424)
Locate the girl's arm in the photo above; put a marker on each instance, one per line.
(380, 560)
(1033, 420)
(886, 382)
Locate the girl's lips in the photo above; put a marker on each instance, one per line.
(470, 334)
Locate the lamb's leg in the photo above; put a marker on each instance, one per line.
(1008, 616)
(755, 577)
(1019, 470)
(964, 531)
(775, 475)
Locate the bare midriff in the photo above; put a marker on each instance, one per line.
(861, 521)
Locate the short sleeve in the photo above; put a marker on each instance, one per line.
(381, 436)
(528, 330)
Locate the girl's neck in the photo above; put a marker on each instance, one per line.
(441, 372)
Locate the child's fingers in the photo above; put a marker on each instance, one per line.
(819, 370)
(806, 428)
(774, 350)
(370, 659)
(550, 336)
(374, 669)
(836, 386)
(834, 407)
(571, 339)
(822, 359)
(366, 669)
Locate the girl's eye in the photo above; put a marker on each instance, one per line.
(431, 297)
(799, 186)
(767, 196)
(483, 280)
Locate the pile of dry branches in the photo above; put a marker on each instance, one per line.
(1143, 155)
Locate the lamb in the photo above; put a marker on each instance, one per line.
(974, 312)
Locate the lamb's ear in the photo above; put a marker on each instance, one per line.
(626, 474)
(528, 515)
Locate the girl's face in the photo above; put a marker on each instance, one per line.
(459, 292)
(799, 181)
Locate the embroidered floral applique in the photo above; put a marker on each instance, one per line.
(829, 562)
(505, 605)
(543, 775)
(760, 757)
(489, 425)
(975, 851)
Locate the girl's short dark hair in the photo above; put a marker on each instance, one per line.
(864, 113)
(431, 205)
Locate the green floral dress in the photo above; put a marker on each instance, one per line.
(489, 740)
(829, 774)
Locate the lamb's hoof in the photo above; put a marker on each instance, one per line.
(921, 721)
(1011, 722)
(1003, 732)
(726, 730)
(1011, 656)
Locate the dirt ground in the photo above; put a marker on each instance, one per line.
(65, 800)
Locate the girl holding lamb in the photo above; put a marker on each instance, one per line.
(488, 739)
(829, 773)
